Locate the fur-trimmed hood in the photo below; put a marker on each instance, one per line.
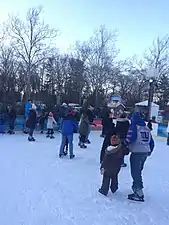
(112, 149)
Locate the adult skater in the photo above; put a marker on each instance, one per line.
(12, 118)
(141, 145)
(122, 127)
(105, 120)
(31, 123)
(109, 131)
(28, 106)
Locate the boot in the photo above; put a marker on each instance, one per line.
(101, 192)
(47, 135)
(52, 137)
(41, 132)
(12, 132)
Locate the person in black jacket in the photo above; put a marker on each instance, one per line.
(111, 165)
(12, 118)
(109, 131)
(31, 123)
(122, 127)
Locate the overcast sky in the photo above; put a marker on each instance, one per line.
(137, 22)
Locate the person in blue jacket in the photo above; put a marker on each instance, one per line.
(68, 127)
(141, 144)
(28, 106)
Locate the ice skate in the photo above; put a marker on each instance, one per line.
(87, 142)
(41, 132)
(72, 156)
(52, 137)
(137, 196)
(47, 135)
(101, 192)
(83, 146)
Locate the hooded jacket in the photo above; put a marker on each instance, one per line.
(28, 106)
(139, 137)
(113, 159)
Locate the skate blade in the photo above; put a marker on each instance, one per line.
(136, 200)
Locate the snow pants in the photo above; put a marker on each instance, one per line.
(137, 161)
(109, 182)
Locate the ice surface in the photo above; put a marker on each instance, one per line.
(38, 188)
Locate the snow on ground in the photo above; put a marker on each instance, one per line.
(38, 188)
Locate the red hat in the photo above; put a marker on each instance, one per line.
(50, 114)
(73, 112)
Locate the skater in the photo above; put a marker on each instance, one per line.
(12, 118)
(28, 106)
(141, 145)
(122, 127)
(111, 165)
(83, 130)
(168, 134)
(149, 125)
(31, 123)
(109, 131)
(68, 127)
(105, 120)
(42, 119)
(50, 123)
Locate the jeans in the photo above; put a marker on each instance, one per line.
(11, 124)
(137, 161)
(31, 132)
(107, 179)
(63, 144)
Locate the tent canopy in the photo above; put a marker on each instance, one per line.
(145, 103)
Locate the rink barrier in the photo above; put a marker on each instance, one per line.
(159, 129)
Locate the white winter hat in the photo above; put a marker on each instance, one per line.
(64, 104)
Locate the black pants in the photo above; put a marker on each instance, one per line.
(31, 132)
(109, 182)
(82, 138)
(50, 132)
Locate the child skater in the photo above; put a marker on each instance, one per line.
(50, 124)
(68, 127)
(111, 165)
(83, 130)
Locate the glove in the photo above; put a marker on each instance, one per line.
(102, 171)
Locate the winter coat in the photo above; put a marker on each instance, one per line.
(68, 125)
(122, 127)
(12, 113)
(113, 159)
(139, 136)
(32, 119)
(107, 123)
(84, 125)
(28, 106)
(90, 115)
(51, 121)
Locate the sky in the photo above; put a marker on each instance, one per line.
(137, 23)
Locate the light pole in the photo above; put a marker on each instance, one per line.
(152, 74)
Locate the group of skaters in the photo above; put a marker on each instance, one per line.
(120, 139)
(126, 137)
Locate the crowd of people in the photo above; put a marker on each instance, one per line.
(125, 136)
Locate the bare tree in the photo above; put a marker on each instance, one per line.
(31, 40)
(99, 54)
